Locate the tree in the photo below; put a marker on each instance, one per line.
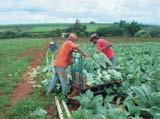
(155, 33)
(77, 28)
(92, 22)
(142, 33)
(110, 31)
(122, 23)
(101, 31)
(129, 28)
(133, 28)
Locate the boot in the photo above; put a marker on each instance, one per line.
(74, 92)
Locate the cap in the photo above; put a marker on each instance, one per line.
(94, 36)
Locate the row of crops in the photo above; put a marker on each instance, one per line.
(137, 97)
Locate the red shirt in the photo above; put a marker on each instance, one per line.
(101, 44)
(64, 56)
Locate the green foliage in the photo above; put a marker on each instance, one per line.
(155, 33)
(129, 28)
(142, 33)
(13, 65)
(83, 114)
(133, 28)
(139, 65)
(25, 108)
(119, 29)
(110, 31)
(91, 106)
(96, 107)
(77, 28)
(140, 92)
(98, 68)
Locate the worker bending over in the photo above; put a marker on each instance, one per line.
(105, 47)
(62, 61)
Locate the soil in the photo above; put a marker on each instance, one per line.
(24, 89)
(51, 111)
(39, 57)
(73, 104)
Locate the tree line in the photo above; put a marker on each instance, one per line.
(121, 28)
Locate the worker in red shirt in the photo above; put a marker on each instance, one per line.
(105, 47)
(62, 61)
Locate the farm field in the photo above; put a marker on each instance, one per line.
(48, 27)
(15, 57)
(139, 94)
(138, 68)
(79, 59)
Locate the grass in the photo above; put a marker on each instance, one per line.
(12, 66)
(93, 27)
(45, 28)
(48, 27)
(24, 108)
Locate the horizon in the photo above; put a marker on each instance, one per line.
(71, 23)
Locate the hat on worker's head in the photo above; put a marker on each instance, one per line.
(94, 36)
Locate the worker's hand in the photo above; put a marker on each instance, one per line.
(68, 96)
(85, 55)
(98, 50)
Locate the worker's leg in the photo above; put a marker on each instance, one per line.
(52, 83)
(63, 78)
(114, 62)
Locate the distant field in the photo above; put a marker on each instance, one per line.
(93, 27)
(48, 27)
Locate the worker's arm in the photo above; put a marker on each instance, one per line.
(107, 45)
(83, 53)
(98, 50)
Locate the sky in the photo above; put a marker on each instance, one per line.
(67, 11)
